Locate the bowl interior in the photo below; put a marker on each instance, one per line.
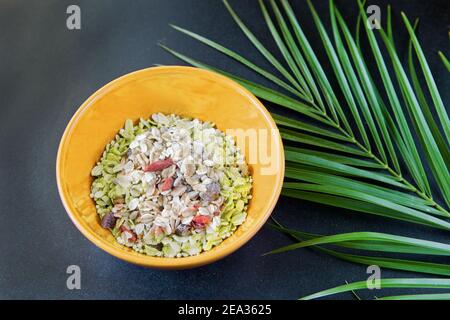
(181, 90)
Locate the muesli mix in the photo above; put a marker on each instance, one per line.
(171, 186)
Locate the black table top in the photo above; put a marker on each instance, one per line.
(47, 71)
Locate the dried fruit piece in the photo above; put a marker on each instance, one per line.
(200, 221)
(167, 184)
(158, 165)
(109, 221)
(133, 237)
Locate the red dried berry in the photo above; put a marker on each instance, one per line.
(167, 184)
(133, 237)
(158, 165)
(199, 222)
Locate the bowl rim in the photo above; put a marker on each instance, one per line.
(161, 262)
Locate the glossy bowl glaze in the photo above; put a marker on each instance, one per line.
(185, 91)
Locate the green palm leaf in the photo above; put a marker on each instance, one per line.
(423, 131)
(298, 56)
(378, 246)
(242, 60)
(337, 158)
(441, 248)
(428, 296)
(427, 283)
(361, 242)
(262, 49)
(443, 147)
(362, 97)
(361, 152)
(440, 108)
(444, 61)
(305, 174)
(285, 52)
(395, 103)
(310, 192)
(371, 97)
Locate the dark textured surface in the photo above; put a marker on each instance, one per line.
(47, 71)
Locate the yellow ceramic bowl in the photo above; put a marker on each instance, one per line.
(184, 91)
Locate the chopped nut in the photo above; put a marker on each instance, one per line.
(182, 230)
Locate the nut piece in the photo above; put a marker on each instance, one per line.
(182, 230)
(212, 192)
(158, 246)
(119, 200)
